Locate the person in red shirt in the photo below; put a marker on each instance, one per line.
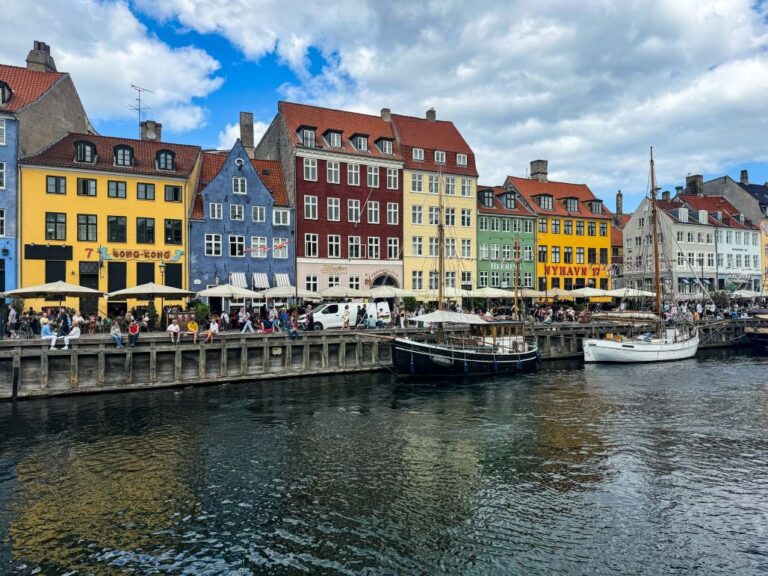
(133, 333)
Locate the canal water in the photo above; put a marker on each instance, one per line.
(575, 470)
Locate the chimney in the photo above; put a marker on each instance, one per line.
(539, 170)
(744, 179)
(246, 132)
(619, 204)
(665, 195)
(39, 58)
(694, 184)
(151, 130)
(678, 190)
(431, 115)
(386, 114)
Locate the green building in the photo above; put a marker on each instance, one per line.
(503, 216)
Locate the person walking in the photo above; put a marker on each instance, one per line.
(247, 325)
(114, 333)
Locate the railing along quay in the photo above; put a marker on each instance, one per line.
(29, 369)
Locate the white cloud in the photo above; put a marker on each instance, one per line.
(106, 49)
(231, 132)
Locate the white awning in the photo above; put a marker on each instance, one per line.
(238, 279)
(282, 280)
(260, 280)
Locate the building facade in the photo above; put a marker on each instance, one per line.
(241, 225)
(439, 183)
(504, 218)
(38, 105)
(344, 172)
(573, 231)
(107, 213)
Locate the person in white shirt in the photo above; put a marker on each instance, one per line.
(74, 334)
(174, 332)
(213, 329)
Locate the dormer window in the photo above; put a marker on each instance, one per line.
(385, 146)
(418, 154)
(166, 160)
(123, 156)
(509, 201)
(85, 152)
(334, 139)
(596, 207)
(5, 92)
(488, 199)
(361, 143)
(439, 157)
(545, 202)
(308, 137)
(571, 205)
(461, 159)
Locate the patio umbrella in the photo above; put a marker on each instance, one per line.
(448, 292)
(150, 291)
(229, 291)
(588, 292)
(290, 292)
(388, 292)
(531, 293)
(343, 292)
(745, 294)
(56, 290)
(630, 293)
(558, 293)
(491, 292)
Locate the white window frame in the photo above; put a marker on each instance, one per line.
(433, 184)
(417, 182)
(282, 252)
(461, 159)
(2, 175)
(386, 146)
(417, 246)
(310, 207)
(393, 248)
(353, 174)
(418, 154)
(239, 240)
(353, 206)
(281, 217)
(237, 212)
(393, 178)
(439, 157)
(239, 185)
(393, 213)
(466, 248)
(372, 212)
(417, 214)
(361, 143)
(434, 247)
(450, 247)
(212, 245)
(373, 176)
(354, 247)
(333, 209)
(417, 280)
(259, 247)
(450, 185)
(434, 216)
(333, 172)
(308, 137)
(374, 247)
(334, 246)
(258, 213)
(310, 169)
(310, 282)
(466, 187)
(334, 139)
(215, 211)
(466, 218)
(311, 240)
(2, 132)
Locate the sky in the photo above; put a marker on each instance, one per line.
(588, 86)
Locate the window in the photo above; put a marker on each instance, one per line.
(450, 186)
(361, 143)
(545, 202)
(434, 247)
(417, 182)
(590, 228)
(2, 129)
(310, 245)
(555, 226)
(528, 253)
(116, 189)
(172, 193)
(165, 160)
(310, 207)
(213, 244)
(281, 217)
(117, 229)
(145, 232)
(239, 185)
(603, 229)
(280, 248)
(332, 172)
(568, 255)
(145, 191)
(215, 211)
(385, 146)
(84, 152)
(466, 248)
(433, 279)
(353, 245)
(439, 157)
(308, 137)
(487, 199)
(334, 209)
(393, 214)
(571, 205)
(258, 214)
(579, 228)
(55, 226)
(450, 279)
(494, 251)
(483, 251)
(334, 280)
(418, 154)
(568, 227)
(236, 212)
(2, 222)
(393, 248)
(373, 212)
(123, 156)
(2, 175)
(450, 247)
(353, 211)
(86, 227)
(417, 214)
(482, 281)
(236, 246)
(681, 259)
(461, 159)
(579, 255)
(334, 246)
(506, 252)
(373, 248)
(466, 280)
(603, 255)
(310, 282)
(86, 187)
(259, 247)
(173, 233)
(334, 139)
(482, 223)
(450, 216)
(393, 179)
(54, 184)
(434, 184)
(353, 174)
(417, 280)
(495, 279)
(466, 218)
(542, 224)
(373, 176)
(416, 246)
(310, 169)
(509, 201)
(466, 187)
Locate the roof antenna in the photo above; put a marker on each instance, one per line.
(138, 108)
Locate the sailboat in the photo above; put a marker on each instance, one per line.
(666, 342)
(490, 347)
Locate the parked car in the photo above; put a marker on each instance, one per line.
(328, 316)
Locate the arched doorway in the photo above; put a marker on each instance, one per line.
(384, 280)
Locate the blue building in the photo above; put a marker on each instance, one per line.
(241, 224)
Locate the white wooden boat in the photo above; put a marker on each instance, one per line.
(674, 344)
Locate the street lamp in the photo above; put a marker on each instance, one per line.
(162, 299)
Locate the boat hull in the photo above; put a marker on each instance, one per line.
(631, 351)
(411, 358)
(757, 337)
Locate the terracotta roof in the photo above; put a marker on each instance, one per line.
(271, 174)
(617, 236)
(715, 204)
(531, 189)
(431, 135)
(27, 85)
(498, 207)
(62, 154)
(348, 123)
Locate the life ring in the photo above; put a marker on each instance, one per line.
(519, 364)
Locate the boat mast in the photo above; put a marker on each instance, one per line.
(654, 224)
(440, 243)
(516, 256)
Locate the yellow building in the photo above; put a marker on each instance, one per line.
(573, 231)
(439, 168)
(106, 213)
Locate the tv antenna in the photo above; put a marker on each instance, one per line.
(139, 108)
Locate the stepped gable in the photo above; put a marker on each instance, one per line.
(530, 189)
(27, 86)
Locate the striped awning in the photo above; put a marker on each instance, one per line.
(282, 280)
(260, 280)
(238, 279)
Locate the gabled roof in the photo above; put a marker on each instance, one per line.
(715, 204)
(62, 154)
(758, 191)
(28, 86)
(498, 207)
(348, 123)
(431, 135)
(617, 228)
(531, 189)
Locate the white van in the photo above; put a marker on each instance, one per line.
(328, 316)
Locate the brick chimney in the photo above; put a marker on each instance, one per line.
(246, 132)
(619, 204)
(539, 170)
(151, 130)
(694, 184)
(665, 195)
(431, 115)
(744, 179)
(386, 114)
(39, 58)
(678, 190)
